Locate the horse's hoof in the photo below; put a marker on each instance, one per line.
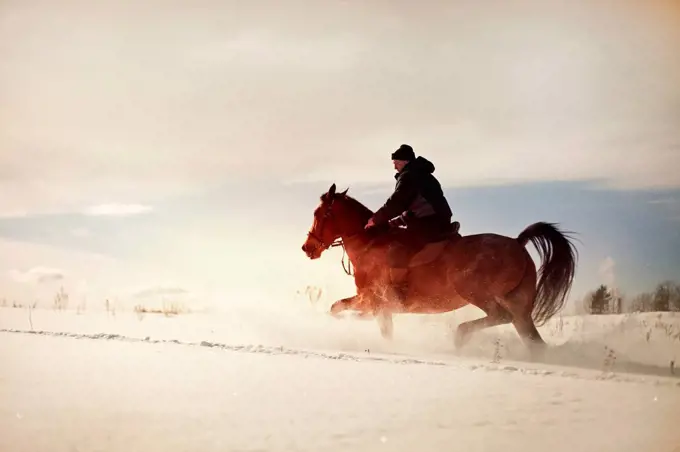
(337, 308)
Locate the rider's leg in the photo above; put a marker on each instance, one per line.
(399, 254)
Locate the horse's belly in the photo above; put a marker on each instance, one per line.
(430, 287)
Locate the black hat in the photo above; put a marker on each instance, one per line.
(405, 152)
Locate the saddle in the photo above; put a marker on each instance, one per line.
(428, 253)
(432, 250)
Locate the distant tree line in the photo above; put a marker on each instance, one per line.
(605, 300)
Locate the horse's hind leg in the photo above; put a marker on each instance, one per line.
(496, 315)
(526, 329)
(520, 302)
(528, 332)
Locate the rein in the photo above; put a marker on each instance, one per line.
(348, 268)
(340, 242)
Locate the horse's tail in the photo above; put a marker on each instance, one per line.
(556, 274)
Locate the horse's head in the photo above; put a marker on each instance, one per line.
(336, 216)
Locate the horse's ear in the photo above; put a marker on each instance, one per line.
(331, 191)
(344, 193)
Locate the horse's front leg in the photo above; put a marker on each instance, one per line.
(341, 305)
(354, 303)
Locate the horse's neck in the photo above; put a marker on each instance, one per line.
(356, 240)
(356, 245)
(355, 233)
(360, 216)
(361, 211)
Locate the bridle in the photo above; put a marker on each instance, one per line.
(321, 225)
(337, 242)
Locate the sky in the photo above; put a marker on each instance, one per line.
(179, 149)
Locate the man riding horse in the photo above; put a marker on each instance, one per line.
(418, 203)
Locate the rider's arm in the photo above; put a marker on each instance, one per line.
(404, 193)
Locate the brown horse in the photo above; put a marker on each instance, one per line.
(490, 271)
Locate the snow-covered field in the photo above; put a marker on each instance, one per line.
(294, 379)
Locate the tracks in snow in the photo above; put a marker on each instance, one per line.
(356, 357)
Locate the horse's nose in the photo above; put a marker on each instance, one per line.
(304, 247)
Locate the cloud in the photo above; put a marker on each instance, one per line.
(665, 201)
(117, 210)
(91, 112)
(671, 205)
(38, 275)
(23, 265)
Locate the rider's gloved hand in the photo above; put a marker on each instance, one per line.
(397, 221)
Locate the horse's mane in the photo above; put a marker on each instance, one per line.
(353, 203)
